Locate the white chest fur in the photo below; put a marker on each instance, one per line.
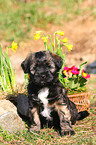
(42, 95)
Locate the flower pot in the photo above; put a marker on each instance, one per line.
(81, 100)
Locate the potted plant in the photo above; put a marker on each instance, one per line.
(73, 78)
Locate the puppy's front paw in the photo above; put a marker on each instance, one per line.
(67, 132)
(34, 128)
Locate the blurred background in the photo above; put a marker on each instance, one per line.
(19, 19)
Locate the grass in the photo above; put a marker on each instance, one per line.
(85, 134)
(84, 129)
(92, 89)
(18, 18)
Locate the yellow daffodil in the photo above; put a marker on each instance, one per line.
(45, 39)
(60, 33)
(36, 36)
(37, 32)
(14, 46)
(65, 40)
(69, 47)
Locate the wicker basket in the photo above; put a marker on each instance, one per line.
(81, 101)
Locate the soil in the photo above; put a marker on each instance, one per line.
(80, 32)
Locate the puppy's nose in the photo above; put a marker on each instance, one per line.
(43, 76)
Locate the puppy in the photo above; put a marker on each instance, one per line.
(48, 104)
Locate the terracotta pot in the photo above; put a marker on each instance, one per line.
(81, 100)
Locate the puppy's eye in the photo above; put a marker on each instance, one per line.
(52, 67)
(32, 71)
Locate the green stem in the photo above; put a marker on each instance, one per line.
(7, 50)
(54, 42)
(51, 43)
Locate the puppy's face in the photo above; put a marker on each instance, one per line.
(42, 66)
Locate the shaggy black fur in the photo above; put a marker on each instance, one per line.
(43, 68)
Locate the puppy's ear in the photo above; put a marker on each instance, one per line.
(57, 60)
(25, 65)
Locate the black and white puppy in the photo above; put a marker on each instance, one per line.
(48, 104)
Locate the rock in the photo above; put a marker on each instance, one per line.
(9, 119)
(91, 68)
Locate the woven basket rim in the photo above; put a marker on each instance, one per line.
(79, 94)
(81, 104)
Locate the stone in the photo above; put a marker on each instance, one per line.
(9, 118)
(91, 68)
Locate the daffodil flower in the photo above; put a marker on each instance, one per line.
(38, 32)
(36, 37)
(65, 40)
(69, 47)
(14, 46)
(45, 39)
(60, 33)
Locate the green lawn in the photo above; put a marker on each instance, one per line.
(17, 18)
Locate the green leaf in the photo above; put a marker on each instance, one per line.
(7, 75)
(81, 67)
(82, 81)
(10, 72)
(50, 48)
(1, 59)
